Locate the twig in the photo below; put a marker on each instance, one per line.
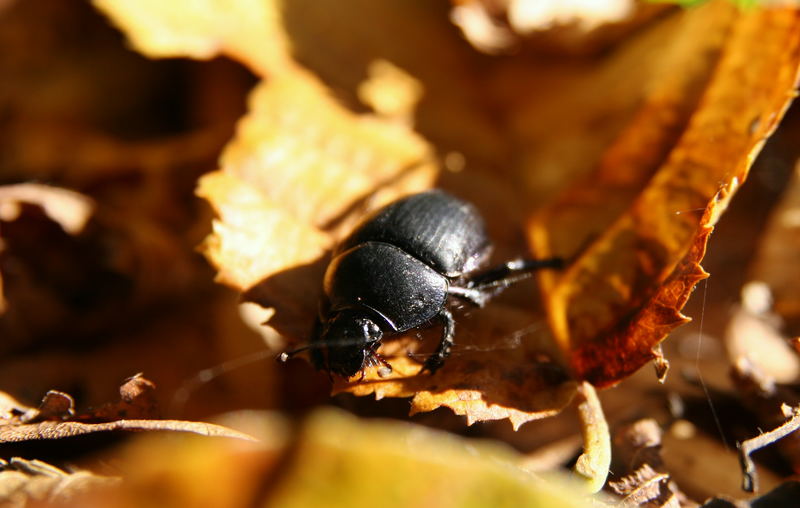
(750, 476)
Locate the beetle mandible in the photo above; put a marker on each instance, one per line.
(399, 269)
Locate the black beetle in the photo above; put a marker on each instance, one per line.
(397, 271)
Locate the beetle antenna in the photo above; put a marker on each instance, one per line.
(284, 357)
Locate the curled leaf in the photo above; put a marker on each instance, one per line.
(630, 277)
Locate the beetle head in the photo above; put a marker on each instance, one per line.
(351, 340)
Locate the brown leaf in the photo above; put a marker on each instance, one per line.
(62, 430)
(516, 377)
(642, 478)
(137, 399)
(54, 406)
(625, 288)
(641, 487)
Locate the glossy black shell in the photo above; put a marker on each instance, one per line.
(443, 232)
(396, 266)
(394, 288)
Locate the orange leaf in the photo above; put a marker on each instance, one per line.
(625, 288)
(502, 368)
(298, 169)
(249, 30)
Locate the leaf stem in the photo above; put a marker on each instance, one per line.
(594, 462)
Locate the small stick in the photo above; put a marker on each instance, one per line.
(750, 475)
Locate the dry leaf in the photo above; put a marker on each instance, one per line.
(54, 406)
(248, 30)
(503, 368)
(643, 486)
(642, 478)
(630, 277)
(62, 430)
(33, 482)
(137, 399)
(299, 168)
(332, 459)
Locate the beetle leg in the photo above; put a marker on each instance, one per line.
(495, 280)
(436, 360)
(480, 288)
(473, 296)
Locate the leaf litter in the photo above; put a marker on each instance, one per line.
(56, 418)
(307, 165)
(631, 212)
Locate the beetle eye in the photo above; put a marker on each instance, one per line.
(371, 330)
